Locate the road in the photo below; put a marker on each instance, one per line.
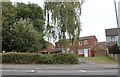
(60, 72)
(87, 68)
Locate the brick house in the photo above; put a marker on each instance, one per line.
(102, 49)
(102, 45)
(112, 39)
(49, 49)
(84, 47)
(111, 36)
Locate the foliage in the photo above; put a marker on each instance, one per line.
(65, 58)
(114, 49)
(25, 38)
(33, 12)
(34, 58)
(95, 50)
(65, 18)
(22, 27)
(8, 18)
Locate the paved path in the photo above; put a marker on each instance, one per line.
(86, 62)
(59, 66)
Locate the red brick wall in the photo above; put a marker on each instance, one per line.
(75, 47)
(50, 47)
(102, 46)
(101, 53)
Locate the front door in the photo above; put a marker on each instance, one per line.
(85, 52)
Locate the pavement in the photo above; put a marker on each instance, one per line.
(85, 68)
(85, 65)
(60, 67)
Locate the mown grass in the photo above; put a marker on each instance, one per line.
(101, 60)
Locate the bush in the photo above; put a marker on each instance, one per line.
(65, 58)
(24, 37)
(114, 49)
(34, 58)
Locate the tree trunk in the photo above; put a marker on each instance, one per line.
(64, 41)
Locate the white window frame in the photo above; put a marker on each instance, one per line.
(72, 51)
(100, 46)
(95, 43)
(85, 42)
(81, 51)
(80, 42)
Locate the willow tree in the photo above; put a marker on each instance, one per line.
(65, 18)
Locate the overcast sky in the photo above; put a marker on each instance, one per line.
(97, 15)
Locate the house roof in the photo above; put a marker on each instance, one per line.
(83, 38)
(101, 43)
(87, 37)
(111, 32)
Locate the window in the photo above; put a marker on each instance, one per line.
(112, 38)
(81, 52)
(116, 38)
(80, 42)
(95, 43)
(108, 39)
(100, 46)
(72, 51)
(86, 42)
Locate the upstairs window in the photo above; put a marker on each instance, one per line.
(85, 42)
(80, 42)
(100, 46)
(95, 43)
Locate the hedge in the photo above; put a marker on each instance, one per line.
(114, 49)
(34, 58)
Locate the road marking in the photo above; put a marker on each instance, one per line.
(82, 71)
(36, 68)
(31, 71)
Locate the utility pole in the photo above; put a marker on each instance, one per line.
(118, 43)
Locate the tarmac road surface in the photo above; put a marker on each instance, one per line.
(60, 72)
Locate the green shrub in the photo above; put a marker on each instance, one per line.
(65, 58)
(34, 58)
(114, 49)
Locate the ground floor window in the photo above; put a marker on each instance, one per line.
(80, 51)
(72, 51)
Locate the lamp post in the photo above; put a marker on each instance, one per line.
(118, 43)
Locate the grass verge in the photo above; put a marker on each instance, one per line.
(101, 60)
